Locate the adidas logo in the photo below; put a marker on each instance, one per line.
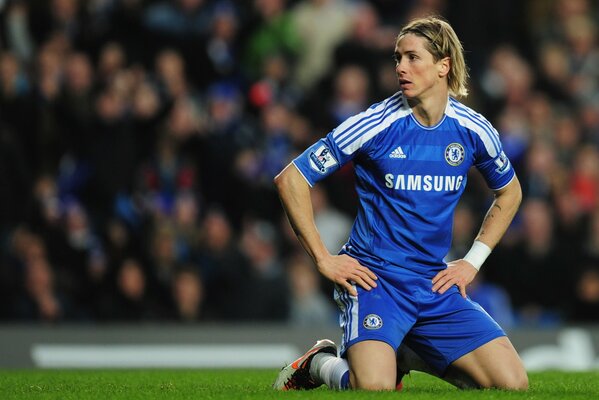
(397, 153)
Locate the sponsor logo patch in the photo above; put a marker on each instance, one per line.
(321, 159)
(503, 164)
(454, 154)
(372, 321)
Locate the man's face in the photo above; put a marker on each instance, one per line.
(416, 68)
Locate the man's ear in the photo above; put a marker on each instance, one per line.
(444, 66)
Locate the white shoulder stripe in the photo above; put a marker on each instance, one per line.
(351, 124)
(351, 147)
(482, 131)
(477, 118)
(357, 130)
(370, 123)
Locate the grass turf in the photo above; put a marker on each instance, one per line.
(255, 384)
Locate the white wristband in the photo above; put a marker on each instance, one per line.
(478, 254)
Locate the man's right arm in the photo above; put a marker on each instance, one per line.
(294, 193)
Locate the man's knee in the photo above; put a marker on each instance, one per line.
(494, 365)
(515, 381)
(372, 365)
(510, 380)
(372, 382)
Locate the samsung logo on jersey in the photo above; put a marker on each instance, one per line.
(427, 183)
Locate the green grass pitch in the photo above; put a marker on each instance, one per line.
(255, 384)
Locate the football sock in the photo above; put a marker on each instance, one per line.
(331, 370)
(345, 381)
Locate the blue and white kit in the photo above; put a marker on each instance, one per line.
(409, 179)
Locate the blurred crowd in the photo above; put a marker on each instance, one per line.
(139, 139)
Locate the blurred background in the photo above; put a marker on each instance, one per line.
(139, 139)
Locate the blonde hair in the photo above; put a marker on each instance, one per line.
(442, 42)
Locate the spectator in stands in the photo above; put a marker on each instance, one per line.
(230, 131)
(272, 32)
(591, 241)
(541, 170)
(120, 242)
(178, 19)
(309, 307)
(81, 265)
(266, 289)
(164, 258)
(531, 272)
(19, 36)
(16, 106)
(131, 300)
(188, 295)
(585, 178)
(147, 113)
(321, 25)
(584, 305)
(75, 107)
(171, 75)
(333, 224)
(368, 44)
(219, 57)
(39, 298)
(275, 85)
(185, 216)
(222, 265)
(112, 60)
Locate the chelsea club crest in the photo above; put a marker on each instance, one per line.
(454, 154)
(372, 321)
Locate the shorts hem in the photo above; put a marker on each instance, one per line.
(379, 338)
(473, 345)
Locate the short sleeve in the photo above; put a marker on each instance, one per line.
(352, 137)
(498, 170)
(321, 159)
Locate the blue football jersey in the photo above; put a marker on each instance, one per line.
(409, 178)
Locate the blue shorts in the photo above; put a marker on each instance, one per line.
(440, 328)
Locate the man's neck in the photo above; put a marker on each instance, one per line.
(429, 110)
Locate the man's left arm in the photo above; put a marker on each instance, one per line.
(461, 272)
